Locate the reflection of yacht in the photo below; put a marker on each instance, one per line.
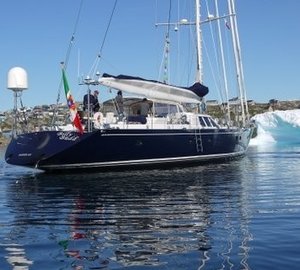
(121, 219)
(109, 219)
(175, 130)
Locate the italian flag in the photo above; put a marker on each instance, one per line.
(71, 104)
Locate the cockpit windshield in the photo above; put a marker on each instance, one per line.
(163, 109)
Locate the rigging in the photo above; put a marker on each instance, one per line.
(71, 43)
(96, 62)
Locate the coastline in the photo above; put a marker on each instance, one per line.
(3, 141)
(213, 109)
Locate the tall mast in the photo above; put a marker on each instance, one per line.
(238, 59)
(223, 61)
(199, 69)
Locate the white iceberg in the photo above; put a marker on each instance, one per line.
(277, 127)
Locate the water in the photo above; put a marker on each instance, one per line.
(243, 214)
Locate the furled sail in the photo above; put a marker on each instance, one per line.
(155, 89)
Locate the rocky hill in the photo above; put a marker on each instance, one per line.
(214, 110)
(257, 108)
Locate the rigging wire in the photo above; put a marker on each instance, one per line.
(178, 41)
(73, 35)
(192, 55)
(217, 57)
(67, 57)
(169, 18)
(93, 69)
(212, 70)
(223, 63)
(71, 43)
(166, 53)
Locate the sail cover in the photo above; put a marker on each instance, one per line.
(154, 89)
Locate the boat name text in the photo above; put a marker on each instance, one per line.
(25, 154)
(67, 136)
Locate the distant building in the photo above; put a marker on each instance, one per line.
(212, 103)
(234, 101)
(273, 101)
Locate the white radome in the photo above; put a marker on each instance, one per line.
(17, 79)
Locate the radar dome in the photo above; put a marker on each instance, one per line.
(17, 79)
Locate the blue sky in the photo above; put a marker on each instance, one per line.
(36, 34)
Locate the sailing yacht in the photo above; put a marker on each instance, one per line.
(174, 131)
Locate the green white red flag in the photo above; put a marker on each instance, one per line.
(71, 104)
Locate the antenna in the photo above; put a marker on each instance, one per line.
(17, 82)
(17, 79)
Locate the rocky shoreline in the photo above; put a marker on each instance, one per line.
(3, 141)
(216, 111)
(258, 108)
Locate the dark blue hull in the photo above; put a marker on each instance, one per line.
(118, 149)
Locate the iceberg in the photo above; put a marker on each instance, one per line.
(277, 127)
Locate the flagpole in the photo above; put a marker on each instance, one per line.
(70, 103)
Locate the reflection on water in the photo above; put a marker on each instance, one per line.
(16, 257)
(161, 218)
(242, 214)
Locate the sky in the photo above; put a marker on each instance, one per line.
(35, 35)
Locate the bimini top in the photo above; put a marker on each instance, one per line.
(155, 89)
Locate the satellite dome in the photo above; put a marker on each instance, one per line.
(17, 79)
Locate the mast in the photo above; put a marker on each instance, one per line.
(238, 59)
(223, 61)
(199, 69)
(197, 23)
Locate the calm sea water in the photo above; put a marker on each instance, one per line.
(243, 214)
